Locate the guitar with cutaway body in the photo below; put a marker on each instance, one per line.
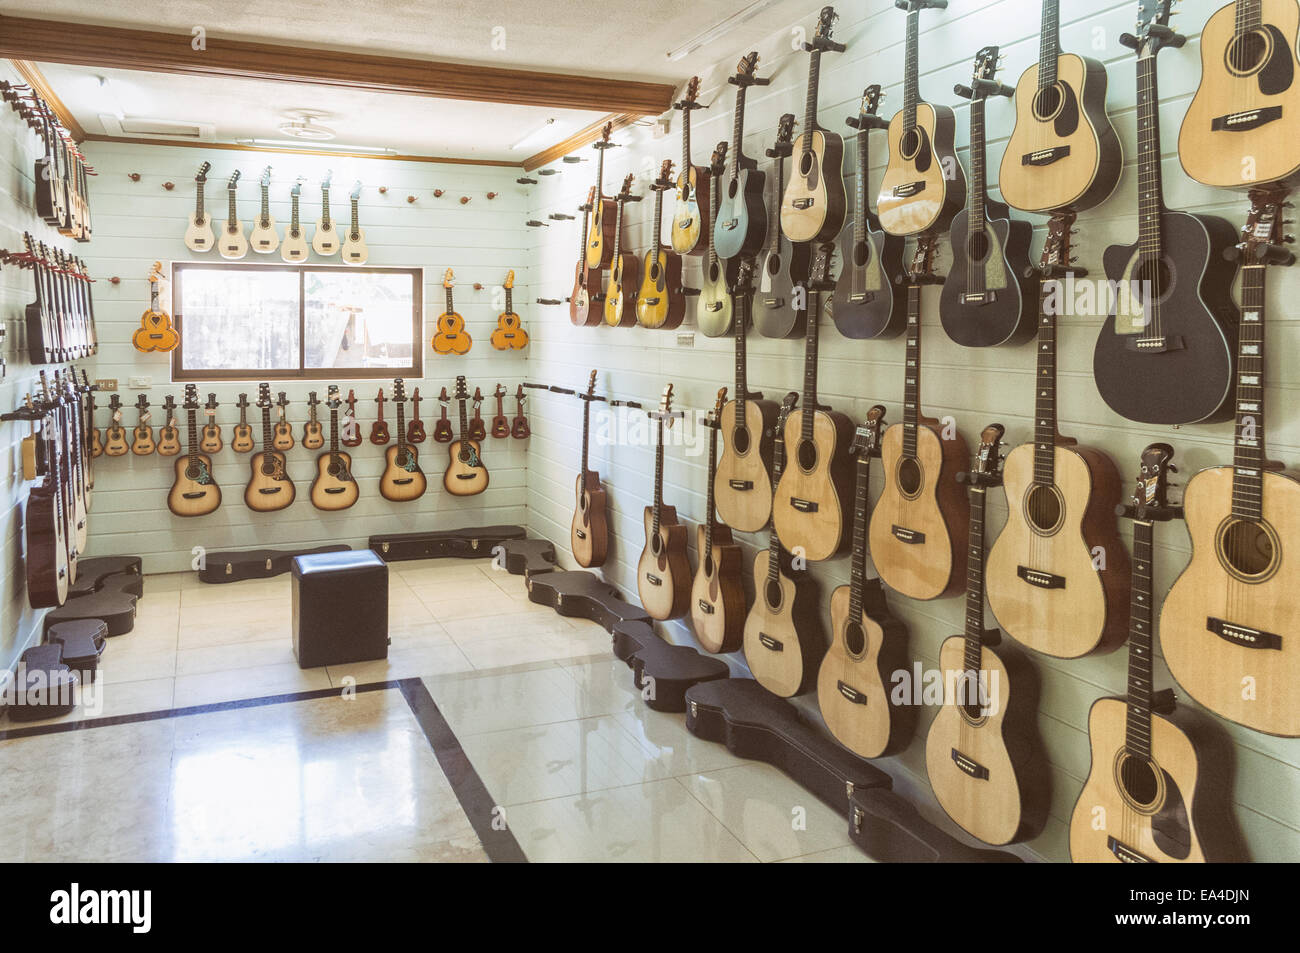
(600, 218)
(622, 277)
(691, 220)
(194, 492)
(713, 305)
(784, 265)
(335, 488)
(466, 474)
(402, 479)
(269, 486)
(663, 573)
(717, 592)
(741, 222)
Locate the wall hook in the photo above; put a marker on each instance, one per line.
(491, 196)
(410, 198)
(437, 193)
(383, 190)
(133, 176)
(169, 186)
(115, 280)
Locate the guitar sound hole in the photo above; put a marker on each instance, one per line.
(1043, 507)
(909, 476)
(772, 592)
(740, 441)
(1246, 53)
(1047, 102)
(855, 638)
(910, 144)
(861, 254)
(1247, 547)
(191, 473)
(977, 246)
(1138, 778)
(1154, 279)
(807, 455)
(268, 469)
(656, 544)
(806, 163)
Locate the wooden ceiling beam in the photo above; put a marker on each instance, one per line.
(82, 44)
(577, 140)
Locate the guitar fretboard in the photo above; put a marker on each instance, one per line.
(1149, 194)
(809, 413)
(356, 225)
(1049, 43)
(739, 330)
(975, 218)
(266, 428)
(199, 213)
(192, 426)
(912, 372)
(659, 476)
(325, 208)
(708, 493)
(860, 190)
(1045, 387)
(777, 187)
(1137, 728)
(334, 436)
(858, 564)
(737, 132)
(233, 216)
(586, 435)
(972, 647)
(266, 206)
(910, 93)
(810, 101)
(1246, 16)
(774, 541)
(1248, 447)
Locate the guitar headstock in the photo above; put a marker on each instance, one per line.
(714, 419)
(922, 270)
(331, 397)
(785, 129)
(606, 132)
(142, 403)
(1152, 32)
(988, 459)
(282, 401)
(1055, 259)
(748, 63)
(826, 23)
(115, 403)
(1263, 238)
(325, 182)
(692, 93)
(626, 190)
(510, 279)
(448, 278)
(203, 173)
(872, 97)
(462, 391)
(591, 200)
(266, 178)
(312, 400)
(819, 272)
(591, 384)
(787, 408)
(155, 273)
(297, 189)
(169, 406)
(263, 395)
(234, 180)
(399, 390)
(866, 438)
(666, 404)
(242, 403)
(191, 397)
(356, 192)
(1151, 493)
(986, 68)
(665, 180)
(718, 161)
(210, 408)
(745, 277)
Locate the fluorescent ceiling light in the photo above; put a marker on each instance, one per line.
(308, 147)
(711, 34)
(548, 130)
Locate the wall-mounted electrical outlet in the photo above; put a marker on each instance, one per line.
(106, 383)
(686, 339)
(139, 383)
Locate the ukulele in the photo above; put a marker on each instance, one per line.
(402, 479)
(477, 429)
(918, 529)
(465, 474)
(1063, 152)
(78, 459)
(194, 492)
(519, 428)
(264, 238)
(351, 436)
(92, 445)
(741, 220)
(718, 592)
(325, 241)
(50, 550)
(233, 244)
(142, 442)
(96, 438)
(924, 184)
(661, 303)
(169, 435)
(871, 261)
(987, 296)
(1145, 797)
(295, 247)
(313, 436)
(115, 444)
(509, 334)
(269, 487)
(155, 332)
(784, 265)
(742, 486)
(784, 612)
(353, 249)
(807, 507)
(600, 227)
(1042, 584)
(451, 336)
(241, 438)
(589, 528)
(500, 423)
(979, 743)
(335, 488)
(690, 212)
(713, 307)
(442, 431)
(622, 272)
(663, 573)
(283, 439)
(813, 204)
(1232, 614)
(1243, 114)
(867, 643)
(1166, 353)
(379, 429)
(415, 429)
(584, 309)
(198, 231)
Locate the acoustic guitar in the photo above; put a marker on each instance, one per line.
(96, 437)
(325, 240)
(1166, 352)
(741, 221)
(500, 423)
(813, 205)
(663, 573)
(589, 528)
(155, 332)
(924, 184)
(1063, 151)
(621, 278)
(169, 435)
(313, 437)
(269, 486)
(241, 437)
(978, 749)
(210, 439)
(264, 238)
(868, 643)
(691, 220)
(808, 507)
(510, 334)
(353, 250)
(194, 492)
(295, 247)
(1240, 130)
(198, 230)
(713, 305)
(519, 429)
(335, 488)
(1148, 798)
(660, 301)
(918, 529)
(1230, 624)
(742, 486)
(442, 431)
(351, 429)
(784, 265)
(1043, 584)
(115, 443)
(415, 432)
(466, 475)
(283, 439)
(233, 244)
(987, 296)
(402, 479)
(49, 548)
(781, 628)
(717, 592)
(600, 218)
(586, 310)
(142, 442)
(451, 336)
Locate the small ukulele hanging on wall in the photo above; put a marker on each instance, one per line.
(509, 334)
(451, 338)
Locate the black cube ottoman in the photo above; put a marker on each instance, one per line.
(340, 608)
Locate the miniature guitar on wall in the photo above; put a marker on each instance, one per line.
(269, 486)
(155, 332)
(415, 429)
(325, 242)
(350, 435)
(379, 434)
(465, 474)
(519, 428)
(193, 492)
(500, 422)
(354, 250)
(451, 336)
(233, 244)
(142, 442)
(295, 247)
(169, 435)
(241, 437)
(442, 431)
(283, 429)
(211, 439)
(198, 232)
(313, 437)
(115, 444)
(335, 488)
(264, 238)
(402, 479)
(509, 334)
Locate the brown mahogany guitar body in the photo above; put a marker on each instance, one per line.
(663, 573)
(589, 530)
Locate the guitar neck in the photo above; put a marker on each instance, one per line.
(714, 198)
(739, 330)
(708, 493)
(1150, 202)
(860, 188)
(858, 564)
(1247, 16)
(586, 435)
(356, 224)
(686, 142)
(334, 435)
(1248, 447)
(266, 206)
(1045, 385)
(1137, 733)
(738, 131)
(778, 188)
(464, 422)
(975, 220)
(198, 203)
(974, 638)
(910, 71)
(401, 425)
(810, 366)
(659, 211)
(912, 372)
(234, 215)
(659, 477)
(810, 102)
(325, 208)
(293, 216)
(1049, 43)
(267, 430)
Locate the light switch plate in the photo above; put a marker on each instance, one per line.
(139, 383)
(686, 339)
(106, 383)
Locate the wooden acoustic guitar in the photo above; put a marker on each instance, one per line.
(1043, 585)
(115, 442)
(621, 278)
(477, 429)
(600, 218)
(49, 547)
(233, 245)
(351, 436)
(264, 238)
(1230, 626)
(713, 305)
(241, 437)
(586, 310)
(96, 436)
(194, 492)
(353, 250)
(142, 442)
(466, 475)
(663, 573)
(379, 434)
(210, 437)
(283, 439)
(589, 528)
(924, 185)
(691, 220)
(269, 486)
(198, 230)
(718, 591)
(325, 240)
(451, 336)
(169, 435)
(335, 488)
(660, 302)
(313, 436)
(918, 529)
(978, 750)
(402, 479)
(1240, 129)
(1063, 152)
(781, 629)
(813, 205)
(500, 422)
(415, 432)
(741, 221)
(510, 334)
(295, 247)
(519, 429)
(867, 643)
(784, 265)
(155, 332)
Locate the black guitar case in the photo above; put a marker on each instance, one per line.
(662, 672)
(238, 564)
(92, 572)
(113, 602)
(528, 556)
(889, 828)
(583, 594)
(471, 543)
(47, 688)
(82, 643)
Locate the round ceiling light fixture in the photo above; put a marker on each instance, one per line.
(305, 124)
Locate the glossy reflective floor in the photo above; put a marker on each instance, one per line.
(549, 744)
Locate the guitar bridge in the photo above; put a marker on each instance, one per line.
(774, 645)
(978, 297)
(1243, 635)
(1155, 345)
(908, 189)
(705, 607)
(803, 506)
(802, 203)
(653, 579)
(1246, 120)
(1040, 579)
(904, 535)
(580, 534)
(1045, 156)
(851, 693)
(1126, 854)
(969, 766)
(741, 484)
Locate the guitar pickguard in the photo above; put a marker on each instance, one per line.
(1170, 828)
(1067, 118)
(1279, 71)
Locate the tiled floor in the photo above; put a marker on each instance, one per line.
(574, 765)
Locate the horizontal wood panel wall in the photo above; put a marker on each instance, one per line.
(137, 223)
(976, 387)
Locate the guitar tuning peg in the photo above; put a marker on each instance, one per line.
(492, 195)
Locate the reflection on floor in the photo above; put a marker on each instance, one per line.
(574, 765)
